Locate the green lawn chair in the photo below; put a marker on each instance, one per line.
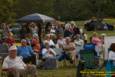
(88, 57)
(87, 61)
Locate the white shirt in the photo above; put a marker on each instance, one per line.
(46, 54)
(16, 63)
(52, 31)
(111, 55)
(60, 42)
(50, 42)
(79, 44)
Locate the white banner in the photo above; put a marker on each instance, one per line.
(107, 43)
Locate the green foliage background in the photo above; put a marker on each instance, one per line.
(65, 10)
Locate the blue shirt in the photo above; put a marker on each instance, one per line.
(25, 51)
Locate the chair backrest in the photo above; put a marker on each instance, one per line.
(89, 46)
(89, 57)
(50, 63)
(58, 51)
(3, 51)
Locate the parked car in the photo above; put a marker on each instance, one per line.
(94, 25)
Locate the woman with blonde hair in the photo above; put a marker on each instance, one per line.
(98, 43)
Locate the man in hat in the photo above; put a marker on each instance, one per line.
(14, 65)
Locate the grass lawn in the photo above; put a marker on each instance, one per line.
(110, 21)
(62, 72)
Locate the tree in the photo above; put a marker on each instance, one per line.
(34, 6)
(6, 10)
(61, 9)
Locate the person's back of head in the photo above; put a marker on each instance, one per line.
(112, 47)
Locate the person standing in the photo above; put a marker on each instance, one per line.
(97, 42)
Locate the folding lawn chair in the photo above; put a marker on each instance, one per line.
(50, 63)
(88, 57)
(58, 51)
(87, 61)
(3, 51)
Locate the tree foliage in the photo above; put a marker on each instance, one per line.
(62, 9)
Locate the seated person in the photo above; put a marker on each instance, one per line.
(26, 52)
(60, 41)
(112, 52)
(10, 39)
(69, 51)
(79, 43)
(111, 64)
(48, 57)
(35, 43)
(49, 40)
(48, 52)
(15, 67)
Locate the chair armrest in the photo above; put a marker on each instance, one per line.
(5, 70)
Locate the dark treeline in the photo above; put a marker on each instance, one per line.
(10, 10)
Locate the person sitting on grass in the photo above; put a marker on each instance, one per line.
(15, 67)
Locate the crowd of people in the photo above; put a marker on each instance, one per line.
(69, 38)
